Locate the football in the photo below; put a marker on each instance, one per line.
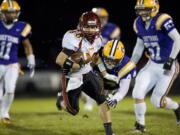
(78, 56)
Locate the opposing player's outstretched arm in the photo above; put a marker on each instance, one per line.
(138, 51)
(123, 89)
(103, 71)
(175, 36)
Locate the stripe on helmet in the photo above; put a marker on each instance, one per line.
(142, 2)
(113, 49)
(10, 3)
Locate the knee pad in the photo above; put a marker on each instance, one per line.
(158, 101)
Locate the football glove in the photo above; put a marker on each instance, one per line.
(111, 77)
(168, 64)
(111, 102)
(31, 64)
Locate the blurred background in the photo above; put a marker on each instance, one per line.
(51, 19)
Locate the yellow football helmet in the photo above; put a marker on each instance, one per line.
(10, 6)
(113, 53)
(151, 7)
(102, 13)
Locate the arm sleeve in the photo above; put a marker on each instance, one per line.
(123, 89)
(26, 32)
(138, 50)
(174, 35)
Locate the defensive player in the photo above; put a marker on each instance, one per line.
(12, 33)
(80, 50)
(156, 32)
(118, 64)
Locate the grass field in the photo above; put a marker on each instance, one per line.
(35, 116)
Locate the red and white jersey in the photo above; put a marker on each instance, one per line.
(72, 40)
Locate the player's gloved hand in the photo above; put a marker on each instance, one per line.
(111, 77)
(31, 64)
(111, 102)
(168, 64)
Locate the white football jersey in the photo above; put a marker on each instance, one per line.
(73, 41)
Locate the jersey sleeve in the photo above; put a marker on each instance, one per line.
(135, 27)
(165, 23)
(128, 69)
(26, 32)
(68, 41)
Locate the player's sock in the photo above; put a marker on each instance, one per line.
(171, 104)
(140, 110)
(108, 128)
(6, 104)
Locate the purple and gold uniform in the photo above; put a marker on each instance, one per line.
(10, 40)
(155, 40)
(125, 69)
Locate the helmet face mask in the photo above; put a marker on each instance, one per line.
(144, 13)
(90, 26)
(10, 10)
(10, 16)
(147, 9)
(112, 63)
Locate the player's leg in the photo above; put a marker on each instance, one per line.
(1, 94)
(68, 99)
(159, 96)
(144, 82)
(93, 87)
(10, 79)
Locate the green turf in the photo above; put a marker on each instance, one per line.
(40, 117)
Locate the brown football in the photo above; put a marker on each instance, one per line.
(76, 57)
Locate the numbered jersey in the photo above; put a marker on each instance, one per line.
(72, 40)
(155, 37)
(107, 31)
(126, 69)
(10, 40)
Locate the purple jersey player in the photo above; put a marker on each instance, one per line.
(12, 34)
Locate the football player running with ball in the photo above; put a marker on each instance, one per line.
(118, 64)
(80, 50)
(156, 32)
(12, 34)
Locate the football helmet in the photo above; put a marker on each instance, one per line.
(147, 9)
(10, 10)
(89, 25)
(103, 15)
(113, 53)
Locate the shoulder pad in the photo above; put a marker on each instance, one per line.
(161, 19)
(26, 30)
(135, 25)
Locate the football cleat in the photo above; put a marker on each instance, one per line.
(139, 128)
(58, 101)
(5, 121)
(177, 113)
